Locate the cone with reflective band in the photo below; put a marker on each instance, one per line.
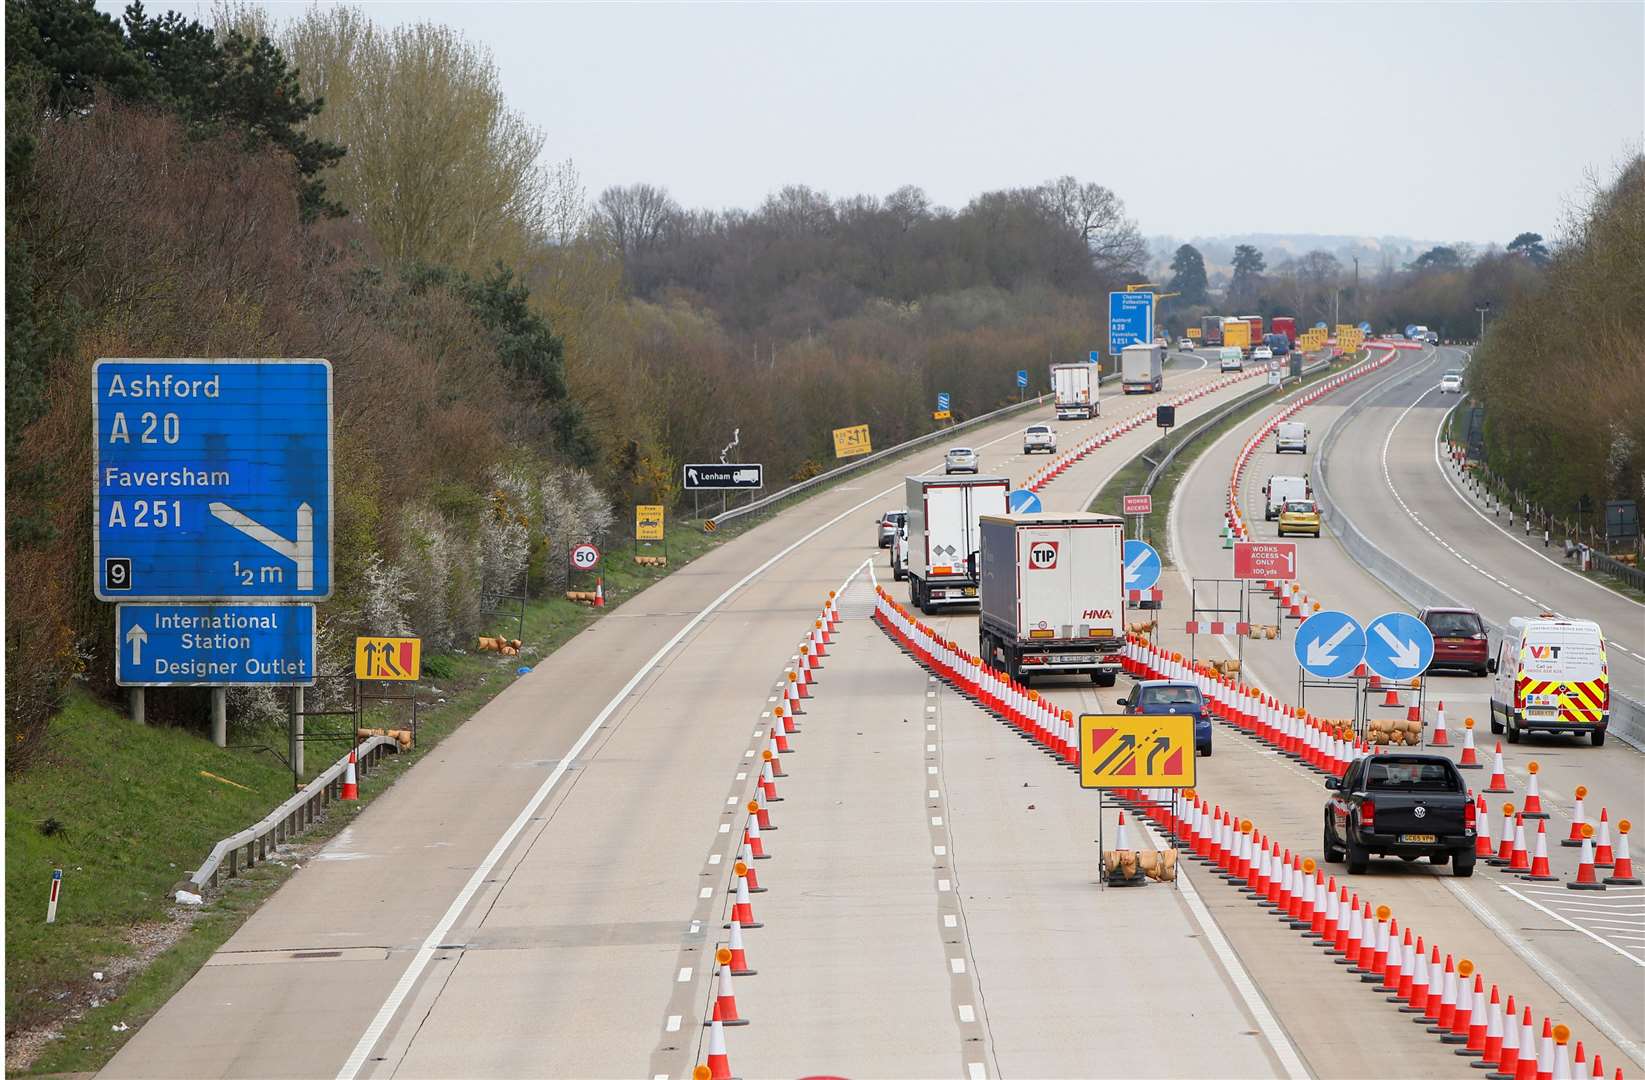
(1439, 737)
(1604, 854)
(743, 857)
(1447, 997)
(1478, 1020)
(1458, 1031)
(779, 738)
(1545, 1051)
(1585, 877)
(1482, 823)
(1499, 775)
(762, 811)
(725, 998)
(1505, 853)
(1435, 999)
(1525, 1060)
(1470, 755)
(1562, 1053)
(1521, 862)
(770, 758)
(1539, 863)
(1420, 976)
(742, 910)
(718, 1065)
(1533, 795)
(1624, 872)
(751, 837)
(1491, 1049)
(1508, 1061)
(768, 783)
(1579, 818)
(351, 784)
(739, 955)
(1392, 967)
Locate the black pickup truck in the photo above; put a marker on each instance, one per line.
(1408, 805)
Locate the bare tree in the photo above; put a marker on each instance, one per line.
(635, 218)
(1098, 215)
(565, 205)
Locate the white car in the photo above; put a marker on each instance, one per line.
(1036, 437)
(960, 459)
(1185, 345)
(1262, 352)
(1450, 382)
(1231, 359)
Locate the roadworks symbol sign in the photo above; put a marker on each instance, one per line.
(1136, 751)
(396, 659)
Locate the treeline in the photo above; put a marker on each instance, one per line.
(1561, 372)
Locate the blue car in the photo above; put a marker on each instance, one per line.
(1160, 696)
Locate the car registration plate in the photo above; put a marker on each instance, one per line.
(969, 591)
(1417, 838)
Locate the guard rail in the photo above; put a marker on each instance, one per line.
(287, 820)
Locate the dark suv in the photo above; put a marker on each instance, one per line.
(1409, 805)
(1460, 640)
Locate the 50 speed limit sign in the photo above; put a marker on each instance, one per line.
(585, 557)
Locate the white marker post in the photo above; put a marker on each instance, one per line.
(56, 890)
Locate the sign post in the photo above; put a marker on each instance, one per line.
(1022, 383)
(943, 412)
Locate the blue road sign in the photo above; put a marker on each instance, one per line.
(1130, 320)
(1321, 326)
(1329, 644)
(1094, 356)
(1023, 501)
(1022, 378)
(1365, 328)
(214, 645)
(1398, 646)
(213, 479)
(942, 402)
(1142, 565)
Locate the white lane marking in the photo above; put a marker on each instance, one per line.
(714, 859)
(749, 754)
(944, 885)
(742, 776)
(976, 1070)
(685, 975)
(696, 927)
(931, 794)
(705, 892)
(939, 849)
(956, 965)
(931, 769)
(930, 748)
(725, 826)
(968, 1015)
(936, 821)
(674, 1022)
(950, 921)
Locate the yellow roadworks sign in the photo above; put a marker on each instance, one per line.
(851, 441)
(1136, 751)
(1194, 332)
(942, 414)
(648, 523)
(397, 659)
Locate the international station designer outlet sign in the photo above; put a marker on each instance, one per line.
(212, 480)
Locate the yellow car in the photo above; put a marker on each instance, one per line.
(1299, 516)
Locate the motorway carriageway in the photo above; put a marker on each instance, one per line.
(538, 896)
(1572, 955)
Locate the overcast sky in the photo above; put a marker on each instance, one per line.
(1438, 121)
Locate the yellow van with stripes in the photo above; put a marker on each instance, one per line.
(1551, 675)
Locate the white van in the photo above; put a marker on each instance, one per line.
(1291, 435)
(1280, 490)
(1551, 675)
(1231, 359)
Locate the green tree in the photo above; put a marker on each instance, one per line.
(1530, 245)
(1437, 258)
(1188, 275)
(1248, 267)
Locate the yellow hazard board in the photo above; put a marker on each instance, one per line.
(1194, 332)
(851, 441)
(942, 414)
(398, 659)
(648, 523)
(1136, 751)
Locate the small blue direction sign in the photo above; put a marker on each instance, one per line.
(214, 645)
(1023, 501)
(213, 480)
(1398, 646)
(1130, 320)
(1142, 565)
(1022, 378)
(1095, 357)
(942, 402)
(1329, 644)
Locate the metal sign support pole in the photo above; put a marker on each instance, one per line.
(139, 706)
(295, 725)
(219, 715)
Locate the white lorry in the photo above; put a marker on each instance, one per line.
(943, 552)
(1075, 387)
(1280, 490)
(1053, 595)
(1142, 369)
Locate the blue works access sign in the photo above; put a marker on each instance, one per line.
(213, 479)
(214, 645)
(1130, 320)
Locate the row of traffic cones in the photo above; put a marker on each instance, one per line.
(1512, 857)
(1395, 962)
(731, 958)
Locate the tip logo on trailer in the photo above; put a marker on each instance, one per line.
(1042, 555)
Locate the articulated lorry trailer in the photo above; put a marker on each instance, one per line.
(1142, 369)
(1210, 329)
(1053, 595)
(1075, 387)
(944, 538)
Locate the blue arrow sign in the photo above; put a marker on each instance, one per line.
(214, 645)
(1023, 501)
(213, 479)
(1398, 646)
(1094, 356)
(1142, 565)
(1329, 644)
(1130, 320)
(1022, 378)
(942, 402)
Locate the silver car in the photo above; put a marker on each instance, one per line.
(1450, 382)
(960, 459)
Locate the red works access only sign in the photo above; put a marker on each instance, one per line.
(1138, 504)
(1264, 561)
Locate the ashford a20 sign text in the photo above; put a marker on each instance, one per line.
(213, 479)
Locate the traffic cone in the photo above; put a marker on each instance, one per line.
(599, 592)
(1390, 700)
(1482, 837)
(1562, 1056)
(776, 764)
(1416, 997)
(791, 701)
(1525, 1067)
(1545, 1052)
(1431, 1004)
(745, 858)
(1457, 1033)
(1539, 864)
(751, 837)
(757, 807)
(1478, 1021)
(1624, 872)
(1470, 756)
(1508, 1059)
(1491, 1049)
(768, 783)
(742, 910)
(725, 998)
(719, 1065)
(801, 689)
(1499, 775)
(1521, 861)
(351, 784)
(1122, 841)
(1447, 999)
(739, 955)
(1585, 878)
(1440, 738)
(1604, 855)
(1505, 853)
(778, 736)
(1579, 818)
(1533, 795)
(1394, 966)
